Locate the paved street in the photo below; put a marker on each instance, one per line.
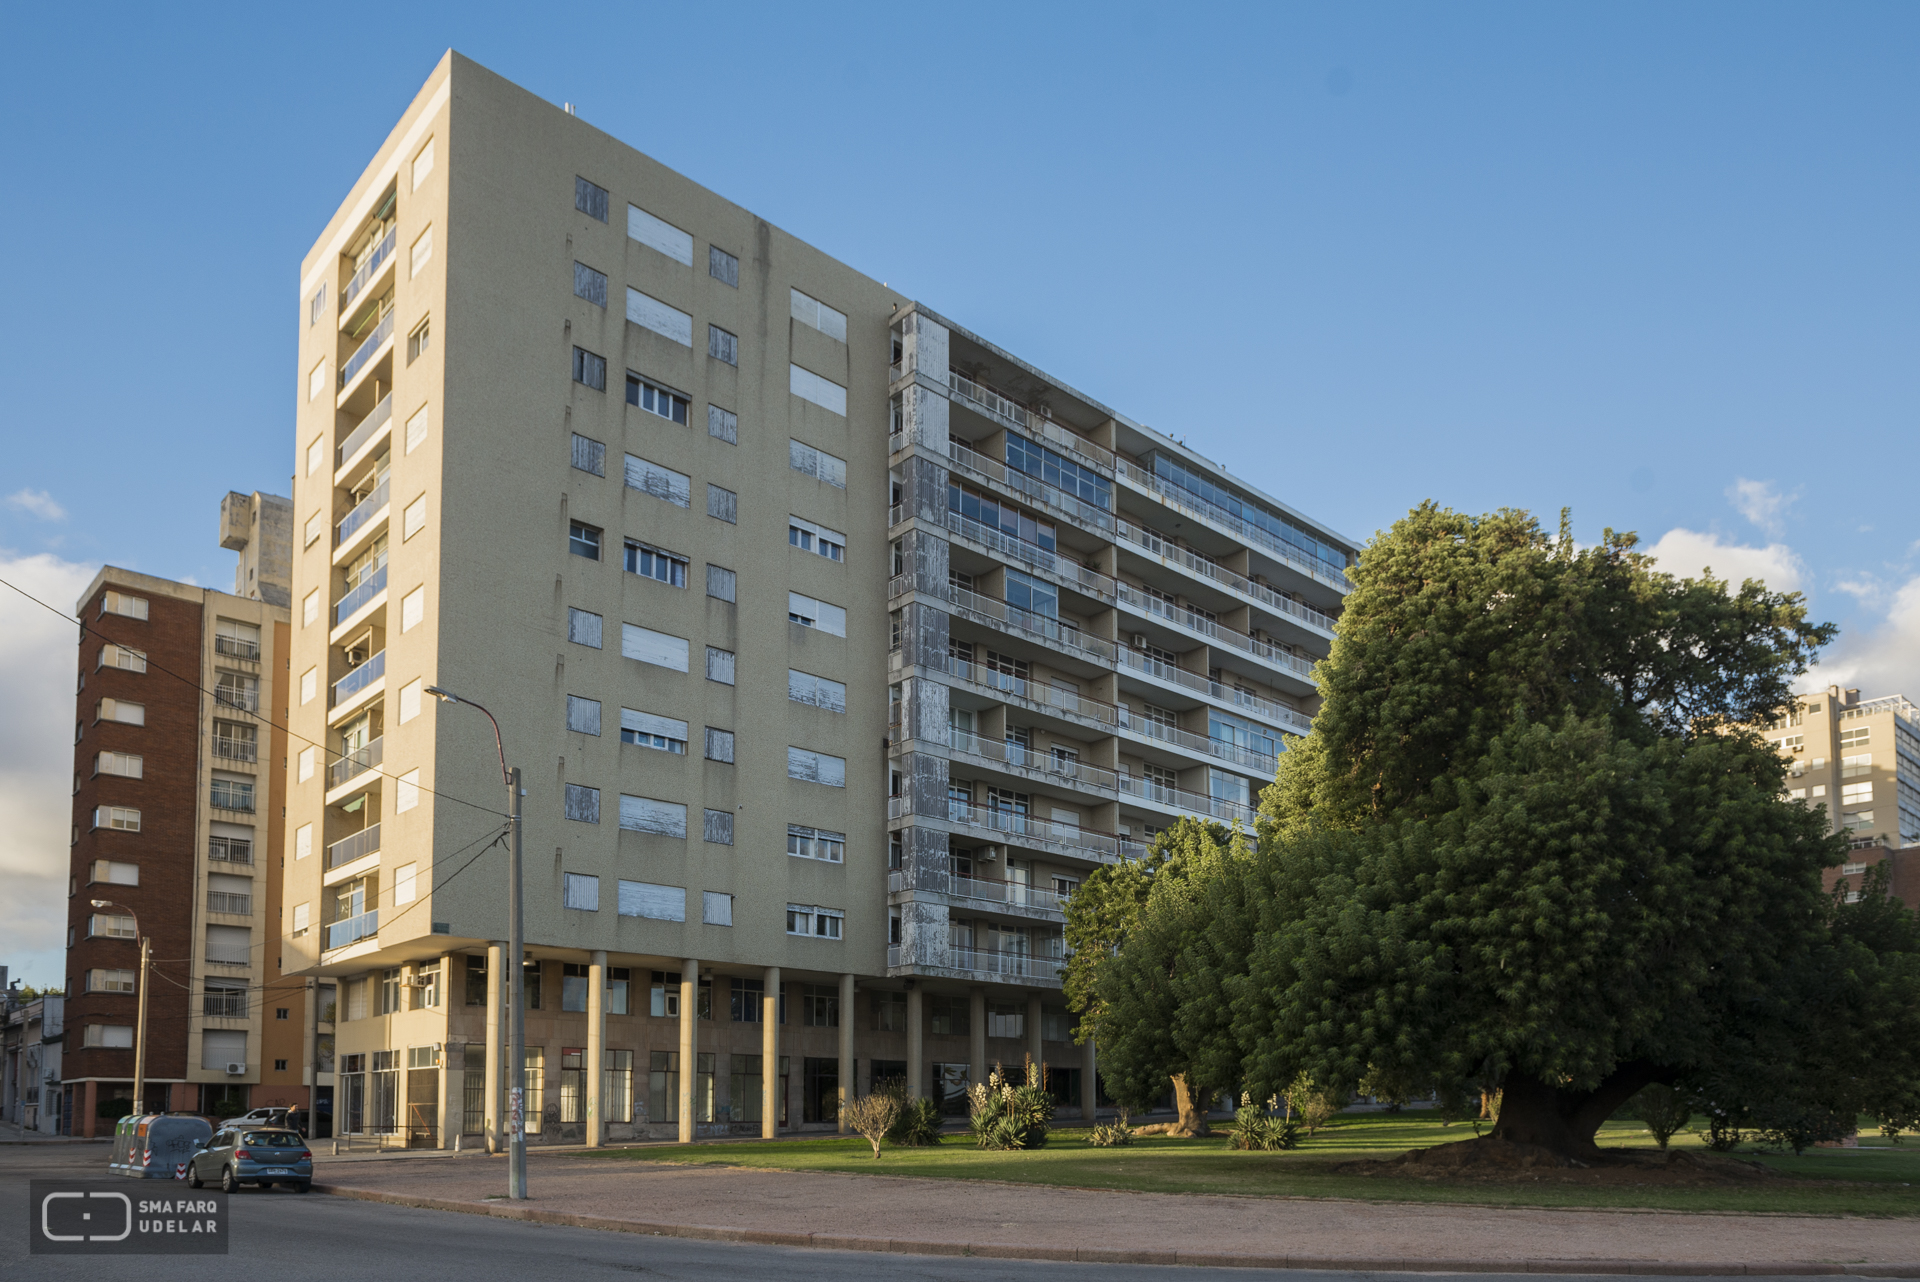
(290, 1238)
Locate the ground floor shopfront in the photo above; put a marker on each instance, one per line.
(91, 1106)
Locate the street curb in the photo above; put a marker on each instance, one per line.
(1101, 1255)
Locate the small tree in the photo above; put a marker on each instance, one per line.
(1663, 1110)
(872, 1116)
(1312, 1103)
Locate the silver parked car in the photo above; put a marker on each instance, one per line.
(258, 1155)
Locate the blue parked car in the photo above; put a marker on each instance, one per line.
(258, 1155)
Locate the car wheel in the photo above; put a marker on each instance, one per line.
(227, 1183)
(304, 1186)
(193, 1176)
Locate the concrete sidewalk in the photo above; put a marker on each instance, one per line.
(969, 1217)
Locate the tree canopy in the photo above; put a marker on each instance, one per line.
(1534, 837)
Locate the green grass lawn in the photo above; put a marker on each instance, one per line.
(1878, 1179)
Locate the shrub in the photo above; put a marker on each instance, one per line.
(872, 1116)
(1257, 1130)
(1664, 1111)
(1110, 1134)
(1313, 1104)
(1005, 1116)
(1798, 1126)
(917, 1125)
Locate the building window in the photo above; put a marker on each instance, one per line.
(583, 804)
(119, 981)
(619, 981)
(108, 1036)
(317, 306)
(419, 340)
(722, 346)
(663, 319)
(721, 583)
(583, 627)
(947, 1015)
(661, 482)
(819, 1006)
(719, 745)
(811, 613)
(748, 1003)
(650, 562)
(589, 369)
(531, 983)
(660, 649)
(811, 311)
(111, 872)
(816, 767)
(811, 387)
(1855, 736)
(646, 730)
(819, 540)
(658, 234)
(723, 505)
(716, 908)
(121, 657)
(127, 765)
(476, 979)
(818, 464)
(589, 455)
(657, 400)
(890, 1012)
(130, 714)
(590, 198)
(583, 715)
(583, 540)
(722, 266)
(582, 892)
(816, 843)
(650, 815)
(717, 827)
(123, 604)
(817, 692)
(111, 926)
(815, 922)
(657, 903)
(720, 666)
(723, 424)
(118, 818)
(589, 284)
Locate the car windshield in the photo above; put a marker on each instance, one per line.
(273, 1139)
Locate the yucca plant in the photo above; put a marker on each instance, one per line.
(1006, 1116)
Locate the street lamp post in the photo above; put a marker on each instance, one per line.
(516, 972)
(140, 1028)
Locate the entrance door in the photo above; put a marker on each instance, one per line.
(423, 1108)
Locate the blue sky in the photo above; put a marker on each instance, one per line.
(1654, 262)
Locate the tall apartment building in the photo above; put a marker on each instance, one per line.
(1860, 763)
(836, 643)
(177, 798)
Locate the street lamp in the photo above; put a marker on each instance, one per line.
(140, 1029)
(516, 972)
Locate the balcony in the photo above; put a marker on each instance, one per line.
(237, 648)
(1033, 694)
(1063, 772)
(232, 795)
(357, 762)
(230, 850)
(360, 678)
(1023, 420)
(366, 351)
(239, 697)
(358, 846)
(1068, 572)
(364, 511)
(992, 611)
(219, 901)
(369, 270)
(224, 1005)
(367, 589)
(236, 749)
(378, 417)
(1134, 599)
(1258, 763)
(982, 468)
(978, 961)
(1147, 792)
(1173, 496)
(1286, 718)
(1170, 554)
(353, 929)
(1044, 834)
(997, 894)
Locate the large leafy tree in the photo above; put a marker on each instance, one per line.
(1532, 838)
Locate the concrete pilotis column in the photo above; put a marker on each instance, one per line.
(770, 1054)
(596, 1048)
(916, 1048)
(1036, 1036)
(1089, 1083)
(496, 1057)
(91, 1106)
(977, 1036)
(689, 1023)
(846, 1048)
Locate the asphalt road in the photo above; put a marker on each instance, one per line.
(287, 1237)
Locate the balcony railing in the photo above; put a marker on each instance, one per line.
(1069, 772)
(228, 696)
(237, 648)
(363, 511)
(1200, 803)
(369, 269)
(983, 468)
(1068, 571)
(994, 611)
(1331, 575)
(364, 430)
(232, 850)
(1009, 893)
(360, 678)
(1287, 718)
(357, 762)
(226, 795)
(1022, 419)
(236, 749)
(217, 1005)
(977, 960)
(348, 930)
(358, 846)
(1084, 843)
(1040, 694)
(1172, 554)
(370, 587)
(1258, 763)
(220, 901)
(1133, 598)
(364, 353)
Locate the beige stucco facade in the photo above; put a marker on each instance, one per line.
(874, 730)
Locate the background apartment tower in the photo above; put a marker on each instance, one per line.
(1859, 762)
(177, 792)
(835, 643)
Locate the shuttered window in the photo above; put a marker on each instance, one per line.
(719, 745)
(232, 945)
(716, 908)
(722, 266)
(582, 803)
(824, 392)
(657, 648)
(722, 346)
(811, 613)
(721, 583)
(649, 730)
(583, 892)
(724, 424)
(589, 455)
(583, 628)
(818, 692)
(649, 312)
(657, 233)
(718, 827)
(583, 715)
(816, 767)
(645, 814)
(589, 369)
(644, 899)
(590, 198)
(722, 504)
(817, 463)
(720, 666)
(661, 482)
(811, 311)
(589, 284)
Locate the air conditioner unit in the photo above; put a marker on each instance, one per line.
(236, 1070)
(1139, 640)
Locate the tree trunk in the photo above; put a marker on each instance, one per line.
(1562, 1121)
(1192, 1108)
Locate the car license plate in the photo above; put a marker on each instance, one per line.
(277, 1170)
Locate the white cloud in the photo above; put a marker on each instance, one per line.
(1688, 554)
(1880, 661)
(36, 756)
(36, 503)
(1760, 503)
